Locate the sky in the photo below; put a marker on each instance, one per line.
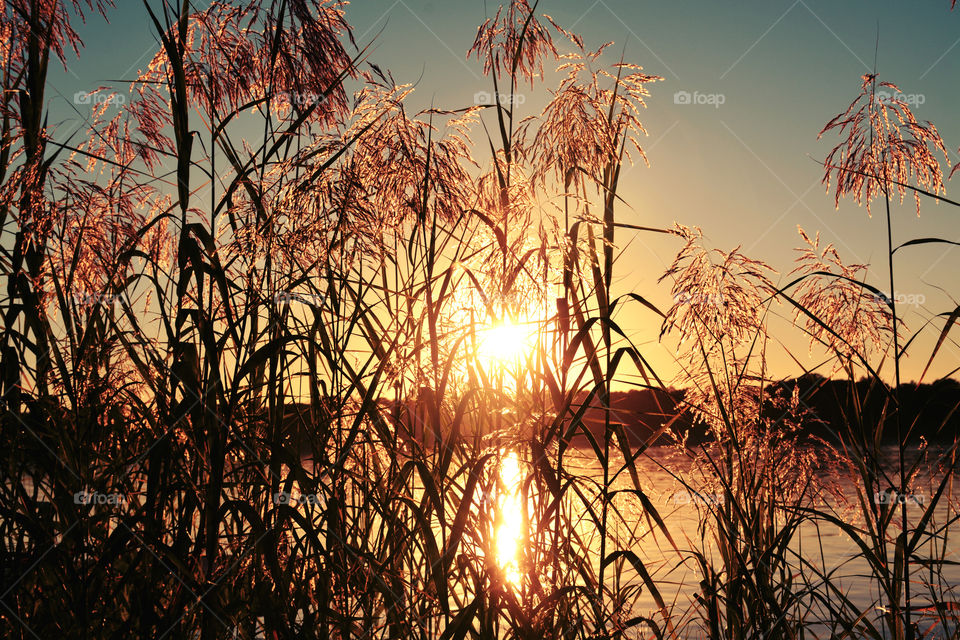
(738, 159)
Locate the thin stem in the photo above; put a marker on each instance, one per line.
(900, 443)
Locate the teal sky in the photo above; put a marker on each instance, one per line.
(745, 171)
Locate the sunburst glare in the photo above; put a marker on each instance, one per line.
(506, 343)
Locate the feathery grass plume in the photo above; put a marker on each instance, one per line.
(104, 207)
(718, 315)
(883, 145)
(23, 21)
(886, 146)
(592, 113)
(35, 32)
(752, 461)
(504, 260)
(395, 157)
(722, 291)
(513, 42)
(860, 320)
(290, 56)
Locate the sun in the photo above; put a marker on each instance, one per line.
(506, 342)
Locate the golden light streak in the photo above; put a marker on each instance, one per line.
(510, 529)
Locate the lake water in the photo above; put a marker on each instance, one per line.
(825, 546)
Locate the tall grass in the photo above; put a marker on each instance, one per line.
(252, 312)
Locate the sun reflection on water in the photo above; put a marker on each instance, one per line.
(509, 530)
